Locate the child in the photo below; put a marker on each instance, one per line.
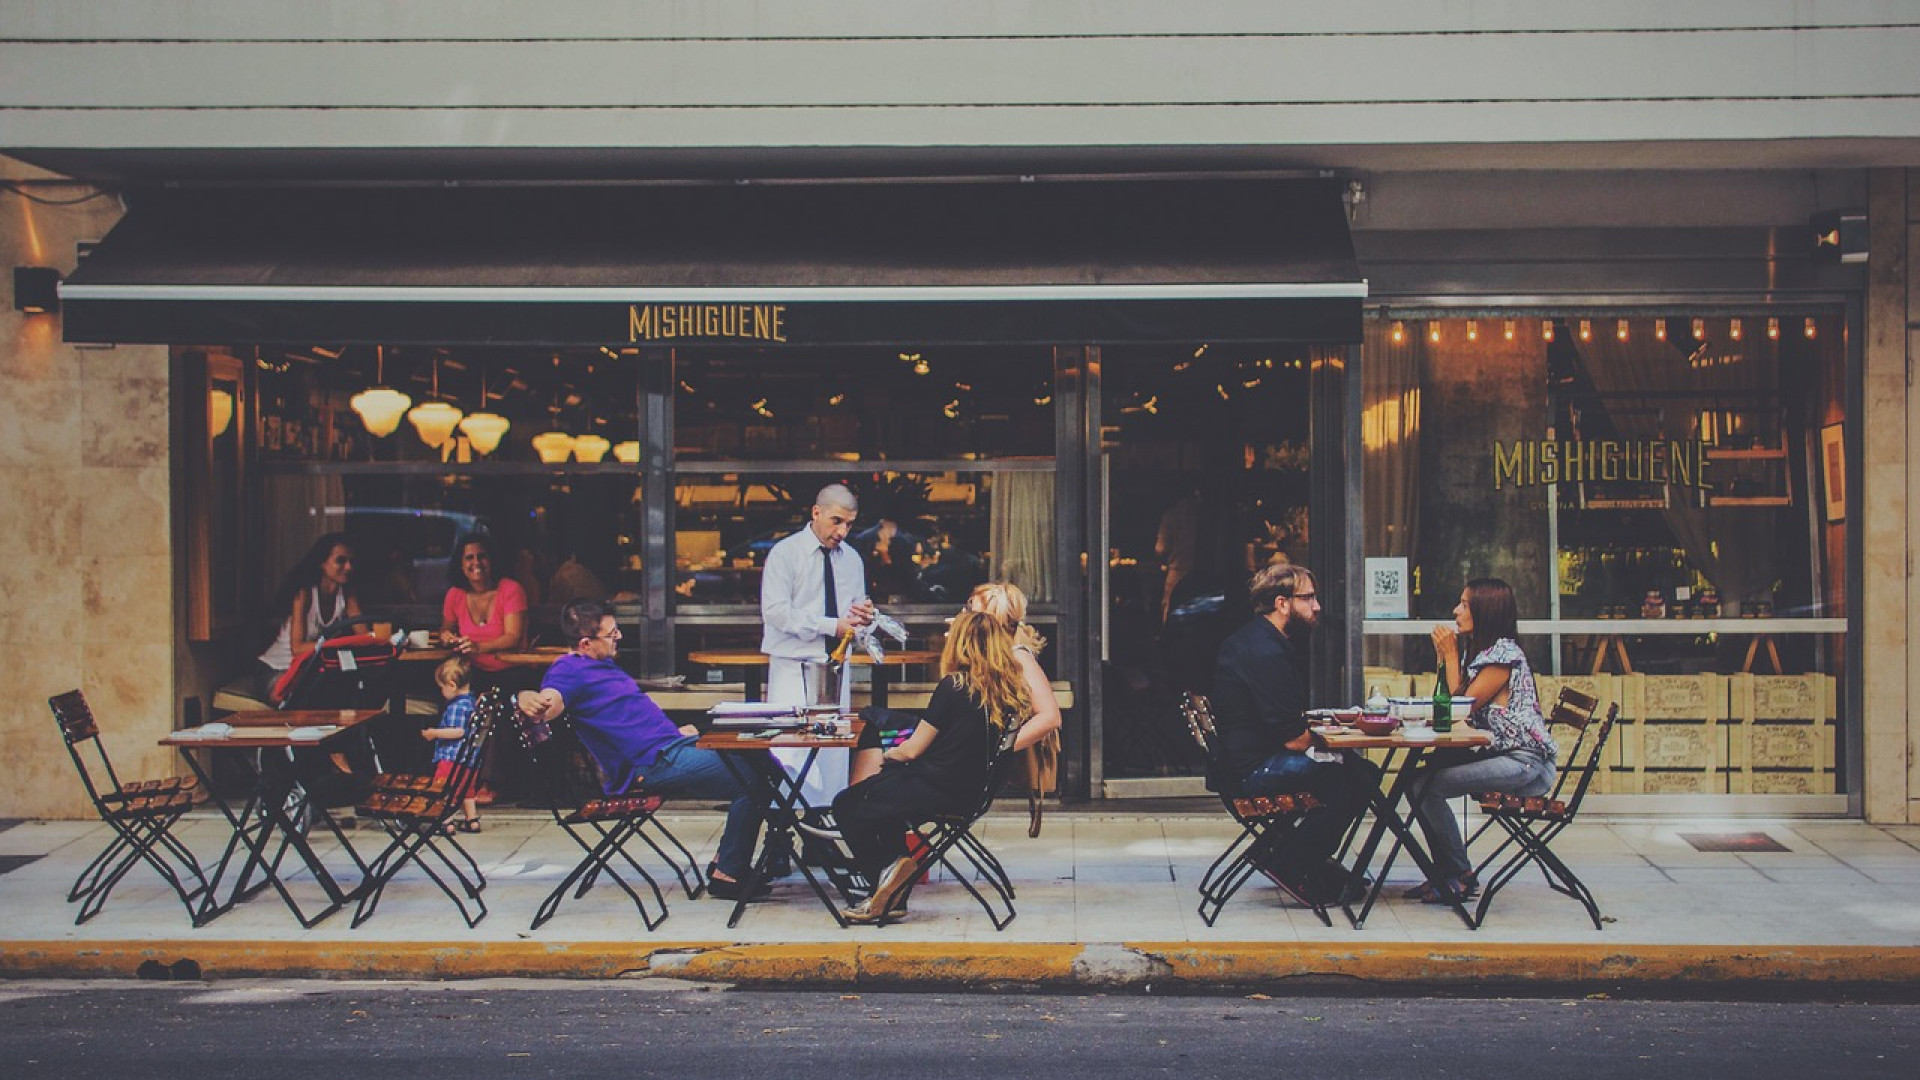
(455, 678)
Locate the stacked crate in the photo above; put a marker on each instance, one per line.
(1673, 738)
(1606, 690)
(1781, 734)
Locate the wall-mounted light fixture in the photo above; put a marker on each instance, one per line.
(36, 290)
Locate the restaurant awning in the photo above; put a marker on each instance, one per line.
(797, 264)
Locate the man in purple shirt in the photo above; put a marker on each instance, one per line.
(632, 739)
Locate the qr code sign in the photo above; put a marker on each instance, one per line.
(1387, 582)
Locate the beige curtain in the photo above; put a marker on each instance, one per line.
(1390, 439)
(299, 509)
(1022, 527)
(1732, 545)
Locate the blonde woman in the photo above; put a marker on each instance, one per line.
(1039, 737)
(942, 766)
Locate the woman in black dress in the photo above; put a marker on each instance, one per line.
(942, 767)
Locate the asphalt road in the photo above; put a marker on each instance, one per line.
(398, 1031)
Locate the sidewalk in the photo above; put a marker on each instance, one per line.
(1106, 899)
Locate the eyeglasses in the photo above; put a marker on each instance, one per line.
(611, 635)
(1305, 596)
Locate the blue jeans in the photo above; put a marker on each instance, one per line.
(1444, 779)
(1341, 796)
(684, 769)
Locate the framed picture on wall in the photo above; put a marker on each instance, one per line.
(1833, 466)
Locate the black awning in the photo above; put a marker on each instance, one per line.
(1096, 261)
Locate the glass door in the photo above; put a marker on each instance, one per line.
(1204, 450)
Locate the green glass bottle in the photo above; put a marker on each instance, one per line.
(1442, 703)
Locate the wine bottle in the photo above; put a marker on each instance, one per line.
(1442, 703)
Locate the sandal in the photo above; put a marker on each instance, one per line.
(1453, 890)
(470, 825)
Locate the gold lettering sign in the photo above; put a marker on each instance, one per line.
(665, 322)
(1534, 462)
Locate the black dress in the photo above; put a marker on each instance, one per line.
(875, 814)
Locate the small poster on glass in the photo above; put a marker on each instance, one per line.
(1389, 588)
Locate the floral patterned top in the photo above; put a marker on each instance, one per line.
(1517, 725)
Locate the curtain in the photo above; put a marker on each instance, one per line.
(1022, 527)
(1733, 546)
(299, 509)
(1390, 439)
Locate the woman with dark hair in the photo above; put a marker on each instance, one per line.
(315, 592)
(483, 614)
(1519, 760)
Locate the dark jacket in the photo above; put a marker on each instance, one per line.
(1259, 693)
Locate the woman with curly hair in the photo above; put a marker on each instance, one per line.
(942, 767)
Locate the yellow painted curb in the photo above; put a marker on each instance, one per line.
(1246, 962)
(1058, 965)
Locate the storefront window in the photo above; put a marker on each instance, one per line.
(537, 449)
(1665, 492)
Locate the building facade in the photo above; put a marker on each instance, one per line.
(1130, 298)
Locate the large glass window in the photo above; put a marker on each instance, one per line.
(1665, 492)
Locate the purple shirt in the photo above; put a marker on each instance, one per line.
(620, 726)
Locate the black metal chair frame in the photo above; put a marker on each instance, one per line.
(601, 825)
(1532, 823)
(419, 823)
(943, 836)
(1266, 823)
(140, 813)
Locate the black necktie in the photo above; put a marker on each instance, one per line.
(833, 603)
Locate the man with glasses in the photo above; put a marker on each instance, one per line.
(631, 738)
(1259, 696)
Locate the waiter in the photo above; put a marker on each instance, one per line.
(812, 593)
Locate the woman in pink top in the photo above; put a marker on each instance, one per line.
(483, 614)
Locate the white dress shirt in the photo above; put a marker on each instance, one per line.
(793, 596)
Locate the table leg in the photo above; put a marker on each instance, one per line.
(785, 806)
(1387, 818)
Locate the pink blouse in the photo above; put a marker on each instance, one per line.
(510, 598)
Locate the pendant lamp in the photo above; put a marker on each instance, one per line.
(484, 429)
(380, 407)
(590, 449)
(434, 419)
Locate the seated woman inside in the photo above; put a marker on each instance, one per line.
(315, 593)
(1519, 760)
(942, 767)
(483, 615)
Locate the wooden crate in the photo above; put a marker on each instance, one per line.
(1782, 734)
(1389, 682)
(1671, 734)
(1606, 690)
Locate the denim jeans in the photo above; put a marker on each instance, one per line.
(684, 769)
(1333, 783)
(1443, 779)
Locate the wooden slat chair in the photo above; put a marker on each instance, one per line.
(419, 822)
(947, 835)
(1532, 822)
(141, 814)
(1266, 823)
(601, 825)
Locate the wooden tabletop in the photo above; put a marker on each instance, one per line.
(750, 658)
(535, 657)
(272, 727)
(1461, 735)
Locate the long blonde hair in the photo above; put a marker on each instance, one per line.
(1004, 601)
(980, 651)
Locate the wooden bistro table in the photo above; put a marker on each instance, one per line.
(271, 813)
(755, 665)
(747, 757)
(1391, 810)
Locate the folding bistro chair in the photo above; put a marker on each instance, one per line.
(1532, 822)
(417, 813)
(1266, 822)
(602, 825)
(141, 814)
(942, 837)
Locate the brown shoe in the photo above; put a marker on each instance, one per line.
(893, 884)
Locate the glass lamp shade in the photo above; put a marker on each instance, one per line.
(484, 430)
(591, 449)
(219, 412)
(434, 420)
(380, 408)
(628, 452)
(553, 447)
